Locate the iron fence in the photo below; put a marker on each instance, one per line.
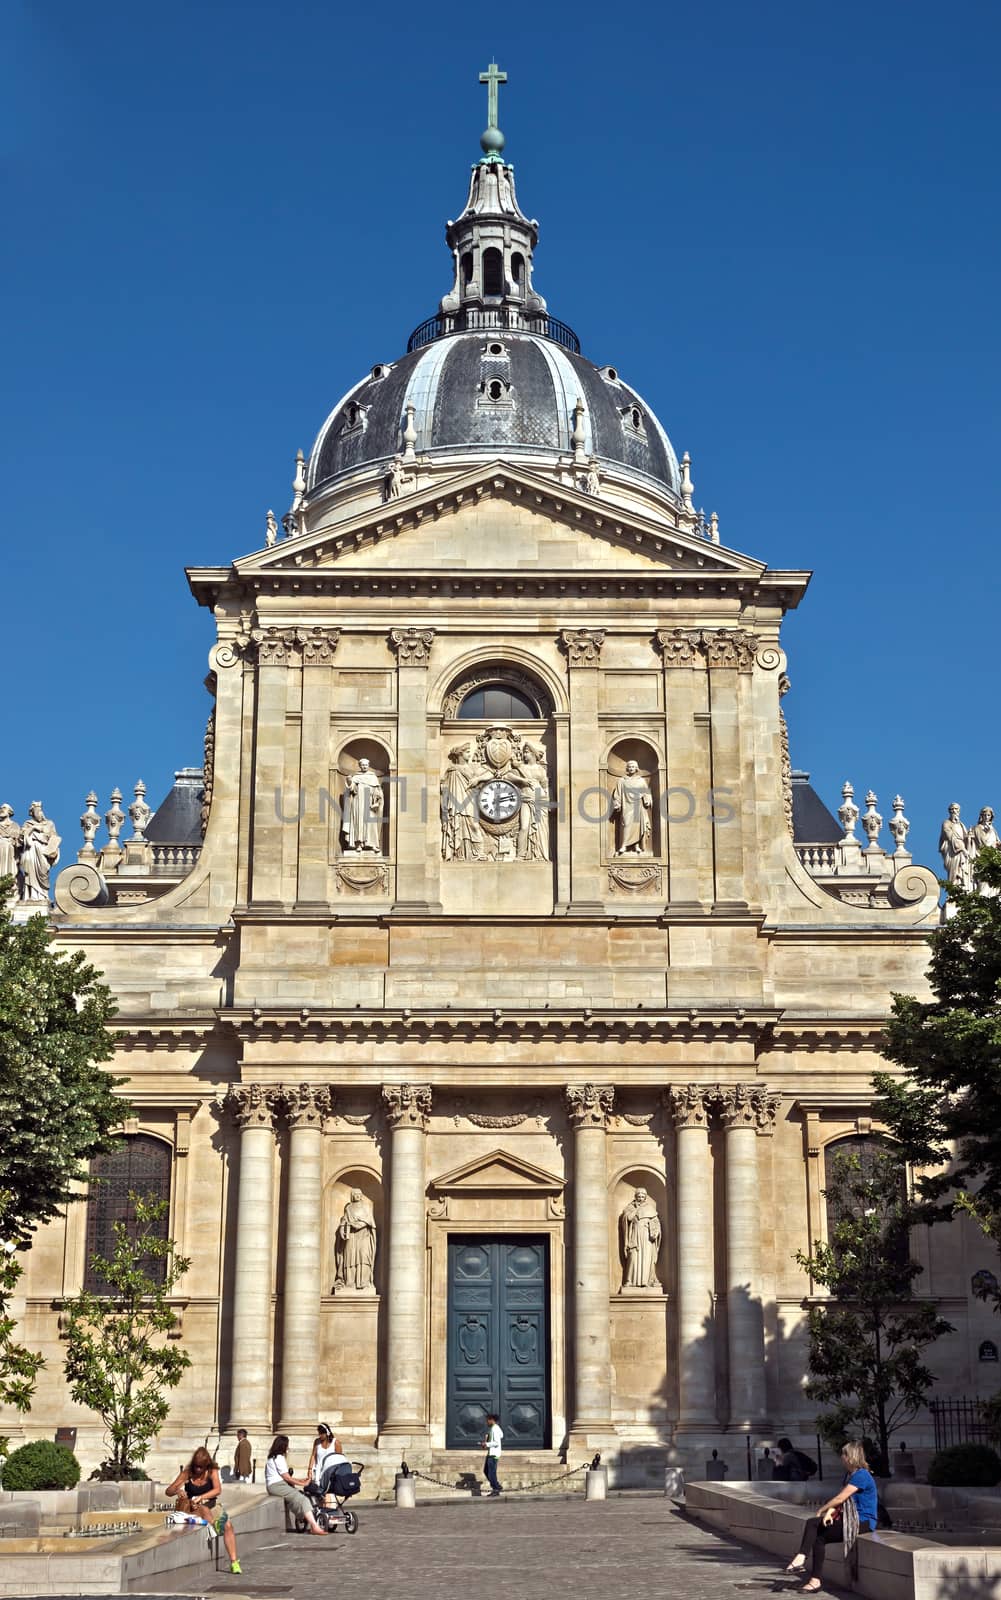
(959, 1422)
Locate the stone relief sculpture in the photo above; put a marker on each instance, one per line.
(494, 799)
(631, 807)
(461, 834)
(354, 1247)
(363, 811)
(641, 1240)
(39, 853)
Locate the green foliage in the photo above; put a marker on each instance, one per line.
(965, 1466)
(118, 1362)
(19, 1366)
(57, 1104)
(110, 1472)
(866, 1339)
(946, 1113)
(41, 1465)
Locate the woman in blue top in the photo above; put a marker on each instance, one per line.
(851, 1511)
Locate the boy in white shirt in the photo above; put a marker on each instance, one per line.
(492, 1445)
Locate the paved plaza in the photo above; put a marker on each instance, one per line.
(633, 1547)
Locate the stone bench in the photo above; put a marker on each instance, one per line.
(888, 1565)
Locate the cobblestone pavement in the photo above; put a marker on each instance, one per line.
(633, 1547)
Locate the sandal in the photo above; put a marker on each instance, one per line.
(797, 1564)
(811, 1586)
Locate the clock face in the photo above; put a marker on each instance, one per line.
(499, 800)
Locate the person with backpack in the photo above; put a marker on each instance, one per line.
(793, 1466)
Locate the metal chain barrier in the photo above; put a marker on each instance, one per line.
(522, 1488)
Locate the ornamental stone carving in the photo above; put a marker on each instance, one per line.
(642, 1234)
(355, 1245)
(407, 1105)
(730, 648)
(208, 772)
(680, 646)
(412, 645)
(748, 1105)
(589, 1105)
(495, 799)
(275, 646)
(90, 821)
(140, 812)
(787, 807)
(317, 645)
(307, 1105)
(253, 1105)
(688, 1105)
(582, 645)
(960, 847)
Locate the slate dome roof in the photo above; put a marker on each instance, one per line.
(494, 392)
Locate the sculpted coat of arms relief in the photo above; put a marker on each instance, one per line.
(495, 796)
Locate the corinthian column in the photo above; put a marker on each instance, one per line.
(589, 1106)
(747, 1110)
(253, 1106)
(407, 1108)
(306, 1108)
(689, 1107)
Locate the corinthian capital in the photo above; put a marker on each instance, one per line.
(407, 1105)
(748, 1105)
(730, 647)
(689, 1104)
(582, 645)
(589, 1105)
(412, 645)
(253, 1105)
(307, 1104)
(680, 646)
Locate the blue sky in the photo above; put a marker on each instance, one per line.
(780, 222)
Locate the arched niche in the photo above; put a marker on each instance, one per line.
(650, 766)
(348, 763)
(621, 1194)
(336, 1195)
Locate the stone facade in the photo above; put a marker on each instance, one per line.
(511, 1036)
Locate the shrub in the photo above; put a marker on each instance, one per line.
(965, 1466)
(48, 1466)
(112, 1471)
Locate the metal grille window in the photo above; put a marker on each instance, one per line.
(140, 1165)
(868, 1149)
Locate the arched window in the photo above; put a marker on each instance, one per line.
(518, 272)
(498, 701)
(493, 272)
(467, 268)
(869, 1149)
(140, 1165)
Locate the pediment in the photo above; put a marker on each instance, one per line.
(498, 1170)
(515, 521)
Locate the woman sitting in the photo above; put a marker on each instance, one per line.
(850, 1512)
(197, 1488)
(279, 1481)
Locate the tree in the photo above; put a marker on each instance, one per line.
(117, 1361)
(866, 1340)
(57, 1104)
(946, 1112)
(19, 1366)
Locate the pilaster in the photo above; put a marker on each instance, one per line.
(586, 806)
(417, 851)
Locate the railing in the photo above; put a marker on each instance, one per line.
(959, 1422)
(511, 318)
(817, 857)
(174, 858)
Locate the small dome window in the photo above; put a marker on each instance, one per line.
(495, 349)
(351, 415)
(636, 418)
(378, 372)
(495, 390)
(611, 373)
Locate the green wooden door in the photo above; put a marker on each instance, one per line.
(498, 1340)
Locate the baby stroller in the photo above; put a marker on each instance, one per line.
(339, 1483)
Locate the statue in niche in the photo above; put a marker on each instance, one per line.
(641, 1239)
(39, 853)
(532, 779)
(461, 834)
(363, 811)
(632, 807)
(952, 846)
(10, 838)
(354, 1248)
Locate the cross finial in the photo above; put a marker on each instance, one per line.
(492, 140)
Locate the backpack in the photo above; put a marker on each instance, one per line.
(805, 1463)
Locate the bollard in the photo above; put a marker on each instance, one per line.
(674, 1483)
(596, 1483)
(406, 1491)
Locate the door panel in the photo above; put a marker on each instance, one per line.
(498, 1340)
